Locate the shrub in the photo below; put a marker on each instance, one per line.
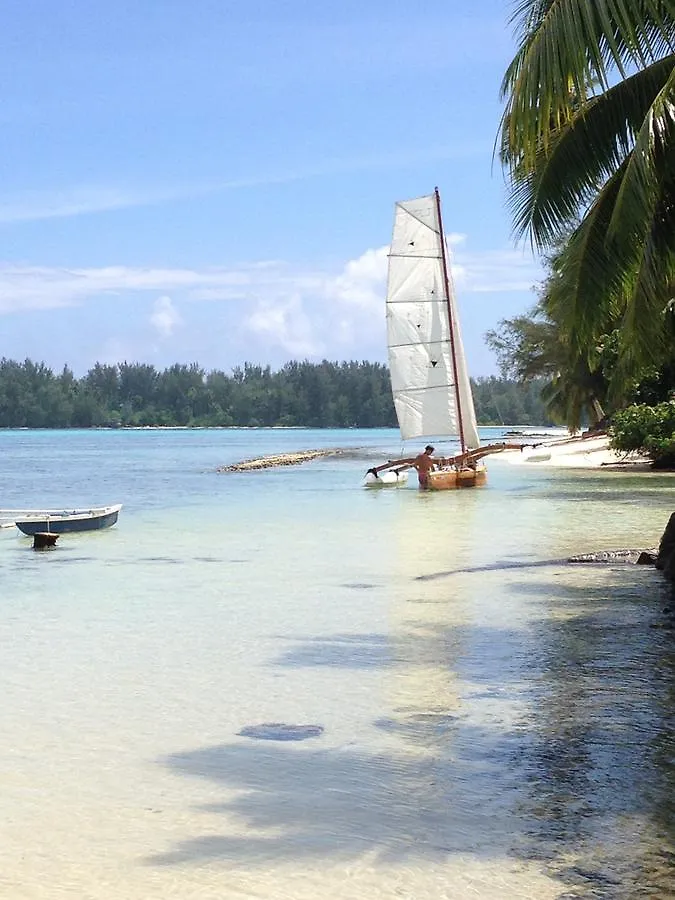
(647, 429)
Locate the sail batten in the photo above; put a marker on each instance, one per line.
(428, 398)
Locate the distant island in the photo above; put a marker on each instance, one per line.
(300, 394)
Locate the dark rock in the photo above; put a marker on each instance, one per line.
(279, 731)
(667, 544)
(646, 558)
(669, 567)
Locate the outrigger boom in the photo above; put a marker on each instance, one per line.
(460, 470)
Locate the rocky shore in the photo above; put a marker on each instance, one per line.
(278, 459)
(665, 559)
(663, 556)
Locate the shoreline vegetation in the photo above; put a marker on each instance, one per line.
(300, 394)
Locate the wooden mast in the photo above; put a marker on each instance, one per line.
(446, 282)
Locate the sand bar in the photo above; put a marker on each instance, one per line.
(279, 459)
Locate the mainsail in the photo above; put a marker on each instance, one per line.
(429, 378)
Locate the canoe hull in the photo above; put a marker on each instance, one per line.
(63, 523)
(451, 479)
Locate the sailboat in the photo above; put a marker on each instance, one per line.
(428, 369)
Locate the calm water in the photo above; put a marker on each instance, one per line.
(496, 723)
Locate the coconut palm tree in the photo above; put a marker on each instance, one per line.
(588, 142)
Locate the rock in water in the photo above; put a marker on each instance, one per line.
(646, 558)
(667, 544)
(606, 556)
(279, 731)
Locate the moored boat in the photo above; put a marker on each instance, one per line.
(67, 520)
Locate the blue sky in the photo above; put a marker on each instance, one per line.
(214, 181)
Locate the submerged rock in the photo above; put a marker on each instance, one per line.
(280, 731)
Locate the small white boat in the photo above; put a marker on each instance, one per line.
(60, 521)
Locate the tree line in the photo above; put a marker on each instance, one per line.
(314, 395)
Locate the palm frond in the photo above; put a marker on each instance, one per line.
(566, 46)
(645, 329)
(648, 163)
(591, 281)
(583, 154)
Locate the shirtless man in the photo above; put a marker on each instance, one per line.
(423, 463)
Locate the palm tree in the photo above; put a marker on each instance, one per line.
(588, 141)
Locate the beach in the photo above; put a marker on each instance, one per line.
(577, 451)
(468, 715)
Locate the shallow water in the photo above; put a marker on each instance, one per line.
(493, 721)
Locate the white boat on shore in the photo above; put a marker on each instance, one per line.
(576, 451)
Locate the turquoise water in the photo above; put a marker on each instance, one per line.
(496, 723)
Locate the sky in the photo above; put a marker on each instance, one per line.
(214, 181)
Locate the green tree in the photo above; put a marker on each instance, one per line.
(588, 140)
(650, 430)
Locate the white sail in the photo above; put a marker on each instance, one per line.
(423, 330)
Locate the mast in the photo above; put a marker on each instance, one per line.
(446, 282)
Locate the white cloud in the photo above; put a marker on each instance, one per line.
(39, 287)
(165, 317)
(72, 201)
(87, 199)
(359, 284)
(492, 271)
(286, 325)
(265, 311)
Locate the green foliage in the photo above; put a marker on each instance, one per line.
(647, 429)
(533, 348)
(588, 142)
(499, 401)
(301, 394)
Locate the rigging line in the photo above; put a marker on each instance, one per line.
(413, 256)
(436, 387)
(450, 320)
(438, 343)
(416, 300)
(413, 216)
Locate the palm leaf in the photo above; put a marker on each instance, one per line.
(583, 154)
(591, 280)
(640, 188)
(645, 333)
(566, 47)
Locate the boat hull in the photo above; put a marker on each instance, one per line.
(386, 479)
(64, 523)
(453, 479)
